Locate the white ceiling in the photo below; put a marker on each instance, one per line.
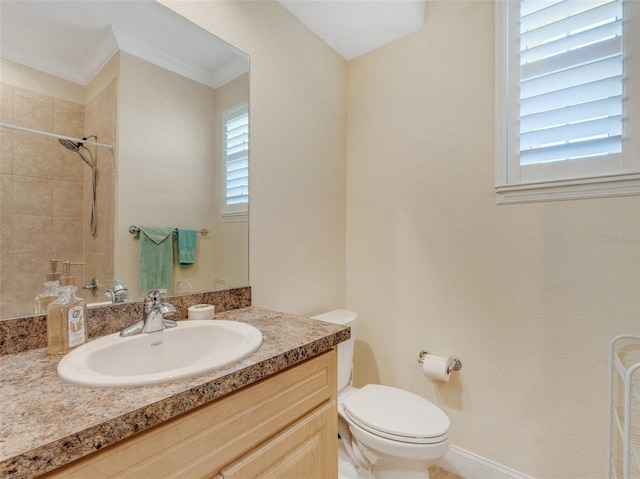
(355, 27)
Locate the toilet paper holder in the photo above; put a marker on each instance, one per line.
(453, 363)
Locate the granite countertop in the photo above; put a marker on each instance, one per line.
(46, 423)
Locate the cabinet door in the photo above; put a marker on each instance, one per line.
(307, 449)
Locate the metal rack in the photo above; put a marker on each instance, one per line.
(624, 407)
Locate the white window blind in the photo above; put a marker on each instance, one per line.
(567, 76)
(236, 159)
(570, 80)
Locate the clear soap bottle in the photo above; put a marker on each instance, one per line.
(66, 316)
(50, 292)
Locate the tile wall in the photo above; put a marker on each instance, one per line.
(42, 212)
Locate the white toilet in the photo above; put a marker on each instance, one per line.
(387, 433)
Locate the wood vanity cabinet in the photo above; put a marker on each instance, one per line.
(284, 426)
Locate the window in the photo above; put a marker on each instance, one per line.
(567, 99)
(236, 160)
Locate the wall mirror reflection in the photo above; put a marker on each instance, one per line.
(118, 115)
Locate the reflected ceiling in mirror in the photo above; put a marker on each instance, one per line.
(75, 39)
(153, 85)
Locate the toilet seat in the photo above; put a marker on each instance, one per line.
(397, 415)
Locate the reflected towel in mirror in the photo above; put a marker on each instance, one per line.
(187, 246)
(156, 257)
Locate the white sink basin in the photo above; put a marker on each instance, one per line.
(189, 349)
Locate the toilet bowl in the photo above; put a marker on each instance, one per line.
(387, 432)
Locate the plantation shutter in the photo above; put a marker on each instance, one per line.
(236, 150)
(570, 96)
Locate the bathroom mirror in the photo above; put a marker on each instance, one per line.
(155, 89)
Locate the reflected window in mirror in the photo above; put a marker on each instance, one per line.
(235, 162)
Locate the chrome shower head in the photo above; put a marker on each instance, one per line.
(70, 145)
(75, 147)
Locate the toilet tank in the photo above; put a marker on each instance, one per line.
(343, 317)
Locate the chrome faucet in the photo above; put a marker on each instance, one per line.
(119, 293)
(153, 319)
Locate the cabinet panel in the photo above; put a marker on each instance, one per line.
(305, 450)
(199, 443)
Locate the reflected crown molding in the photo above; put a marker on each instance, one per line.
(76, 46)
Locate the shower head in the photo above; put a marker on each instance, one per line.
(70, 145)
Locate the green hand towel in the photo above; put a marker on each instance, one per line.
(156, 258)
(187, 246)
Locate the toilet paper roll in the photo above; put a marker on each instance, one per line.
(435, 367)
(201, 311)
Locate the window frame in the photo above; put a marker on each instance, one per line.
(239, 211)
(509, 186)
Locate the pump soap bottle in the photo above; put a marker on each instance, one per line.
(50, 292)
(66, 316)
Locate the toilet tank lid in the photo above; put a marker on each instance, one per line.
(337, 316)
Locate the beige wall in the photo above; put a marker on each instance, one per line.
(298, 147)
(166, 164)
(527, 296)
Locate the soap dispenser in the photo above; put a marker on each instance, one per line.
(50, 292)
(66, 316)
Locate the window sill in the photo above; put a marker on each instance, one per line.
(601, 187)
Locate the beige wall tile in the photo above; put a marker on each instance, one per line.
(29, 274)
(32, 155)
(67, 198)
(32, 234)
(101, 266)
(6, 235)
(67, 165)
(6, 194)
(67, 234)
(33, 110)
(32, 196)
(68, 122)
(6, 278)
(6, 151)
(6, 103)
(103, 242)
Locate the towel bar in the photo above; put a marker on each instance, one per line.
(134, 229)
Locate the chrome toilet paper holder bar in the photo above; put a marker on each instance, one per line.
(453, 363)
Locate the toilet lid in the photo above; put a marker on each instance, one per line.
(397, 414)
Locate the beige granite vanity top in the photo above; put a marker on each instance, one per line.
(45, 423)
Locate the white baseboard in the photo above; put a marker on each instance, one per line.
(472, 466)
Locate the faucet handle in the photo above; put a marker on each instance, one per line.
(152, 298)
